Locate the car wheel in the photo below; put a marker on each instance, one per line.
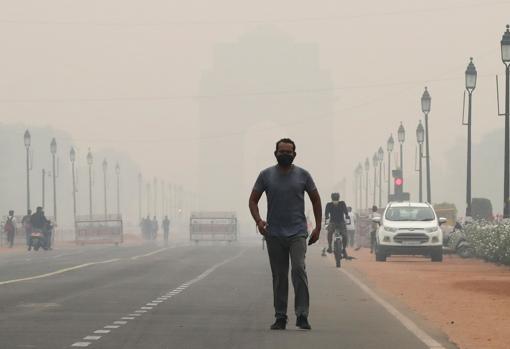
(437, 255)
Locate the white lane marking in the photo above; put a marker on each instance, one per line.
(92, 338)
(81, 344)
(61, 271)
(127, 318)
(150, 253)
(157, 301)
(152, 304)
(136, 312)
(430, 342)
(85, 265)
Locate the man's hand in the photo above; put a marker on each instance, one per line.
(262, 227)
(314, 237)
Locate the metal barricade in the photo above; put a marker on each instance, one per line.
(213, 226)
(99, 229)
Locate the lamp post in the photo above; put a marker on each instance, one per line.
(117, 172)
(380, 157)
(505, 57)
(389, 147)
(90, 160)
(139, 197)
(72, 157)
(420, 135)
(360, 169)
(367, 168)
(375, 162)
(401, 139)
(43, 187)
(53, 149)
(471, 75)
(28, 140)
(105, 168)
(425, 107)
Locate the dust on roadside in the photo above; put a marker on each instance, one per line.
(468, 299)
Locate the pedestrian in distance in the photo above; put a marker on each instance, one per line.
(351, 227)
(10, 228)
(373, 227)
(286, 230)
(27, 226)
(155, 228)
(166, 229)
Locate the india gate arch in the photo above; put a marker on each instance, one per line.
(269, 86)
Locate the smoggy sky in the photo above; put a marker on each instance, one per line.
(127, 74)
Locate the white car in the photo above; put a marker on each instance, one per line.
(409, 228)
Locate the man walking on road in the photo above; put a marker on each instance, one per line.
(166, 229)
(286, 229)
(10, 228)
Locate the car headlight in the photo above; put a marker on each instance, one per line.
(432, 230)
(390, 229)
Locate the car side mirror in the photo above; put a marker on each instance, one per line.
(442, 220)
(376, 220)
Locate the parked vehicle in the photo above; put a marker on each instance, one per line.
(456, 241)
(409, 228)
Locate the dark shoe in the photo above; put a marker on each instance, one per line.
(330, 250)
(279, 324)
(302, 323)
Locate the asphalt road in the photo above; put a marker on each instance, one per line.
(187, 296)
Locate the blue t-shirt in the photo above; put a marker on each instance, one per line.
(285, 199)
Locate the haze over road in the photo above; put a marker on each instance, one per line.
(185, 296)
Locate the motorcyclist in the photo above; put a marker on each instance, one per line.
(39, 222)
(337, 213)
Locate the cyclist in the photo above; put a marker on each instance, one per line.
(337, 213)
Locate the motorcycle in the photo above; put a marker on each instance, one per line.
(458, 242)
(37, 240)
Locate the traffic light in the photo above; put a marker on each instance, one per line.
(398, 183)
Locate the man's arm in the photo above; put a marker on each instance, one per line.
(254, 210)
(317, 212)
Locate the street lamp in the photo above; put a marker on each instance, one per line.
(117, 172)
(360, 169)
(401, 139)
(90, 160)
(420, 136)
(471, 75)
(28, 140)
(367, 168)
(389, 147)
(105, 168)
(358, 172)
(53, 149)
(380, 157)
(505, 57)
(72, 157)
(139, 197)
(425, 107)
(375, 162)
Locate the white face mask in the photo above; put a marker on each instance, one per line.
(336, 202)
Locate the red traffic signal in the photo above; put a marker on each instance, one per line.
(399, 182)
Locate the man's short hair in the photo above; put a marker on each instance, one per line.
(286, 140)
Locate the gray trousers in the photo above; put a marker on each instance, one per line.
(280, 249)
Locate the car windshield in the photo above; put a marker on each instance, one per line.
(410, 213)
